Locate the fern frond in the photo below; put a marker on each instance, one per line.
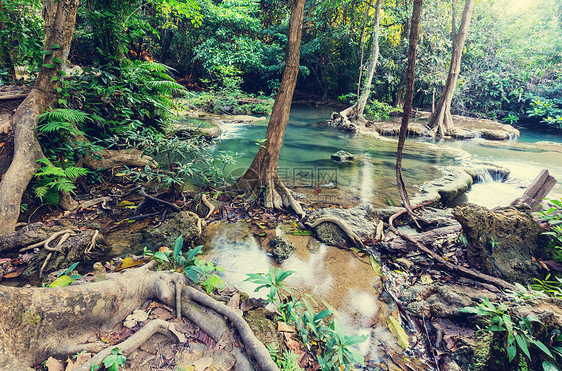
(166, 87)
(51, 171)
(62, 185)
(40, 192)
(54, 126)
(73, 172)
(64, 114)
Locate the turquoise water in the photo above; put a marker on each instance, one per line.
(309, 143)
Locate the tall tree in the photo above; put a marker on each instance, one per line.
(441, 121)
(262, 174)
(60, 19)
(410, 76)
(355, 112)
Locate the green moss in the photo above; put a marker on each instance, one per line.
(30, 318)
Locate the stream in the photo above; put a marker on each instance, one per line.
(338, 276)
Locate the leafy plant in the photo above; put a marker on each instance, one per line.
(333, 348)
(114, 360)
(511, 119)
(51, 180)
(517, 335)
(549, 287)
(66, 277)
(189, 264)
(553, 216)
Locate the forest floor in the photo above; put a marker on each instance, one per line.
(426, 296)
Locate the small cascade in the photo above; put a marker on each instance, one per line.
(512, 137)
(484, 176)
(367, 180)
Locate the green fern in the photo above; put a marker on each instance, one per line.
(66, 115)
(166, 87)
(52, 179)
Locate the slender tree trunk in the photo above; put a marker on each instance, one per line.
(362, 47)
(401, 91)
(60, 18)
(414, 34)
(262, 175)
(355, 112)
(441, 121)
(362, 102)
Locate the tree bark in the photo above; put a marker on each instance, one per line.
(60, 19)
(414, 34)
(355, 112)
(262, 175)
(441, 121)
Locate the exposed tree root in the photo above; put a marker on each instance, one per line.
(498, 282)
(343, 226)
(134, 342)
(38, 322)
(209, 205)
(110, 159)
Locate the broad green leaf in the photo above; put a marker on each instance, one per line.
(62, 281)
(49, 65)
(57, 60)
(178, 246)
(55, 46)
(542, 347)
(549, 366)
(161, 256)
(511, 348)
(523, 345)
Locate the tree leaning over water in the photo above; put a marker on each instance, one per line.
(262, 175)
(441, 121)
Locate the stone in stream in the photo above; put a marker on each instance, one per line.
(343, 156)
(502, 242)
(281, 249)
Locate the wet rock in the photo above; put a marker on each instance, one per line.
(431, 218)
(182, 224)
(502, 242)
(360, 219)
(281, 249)
(343, 156)
(441, 300)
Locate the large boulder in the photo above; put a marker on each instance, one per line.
(501, 242)
(361, 220)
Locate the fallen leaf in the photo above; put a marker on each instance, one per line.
(252, 303)
(426, 279)
(283, 327)
(81, 358)
(13, 274)
(53, 364)
(398, 331)
(134, 318)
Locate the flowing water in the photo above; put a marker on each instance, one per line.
(338, 276)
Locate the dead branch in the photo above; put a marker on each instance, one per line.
(498, 282)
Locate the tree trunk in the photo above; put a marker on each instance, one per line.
(362, 47)
(355, 112)
(262, 175)
(414, 34)
(441, 121)
(60, 18)
(362, 102)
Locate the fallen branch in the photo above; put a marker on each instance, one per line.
(343, 226)
(533, 196)
(498, 282)
(13, 97)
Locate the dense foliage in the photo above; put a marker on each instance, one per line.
(511, 67)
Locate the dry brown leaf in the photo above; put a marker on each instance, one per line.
(283, 327)
(81, 358)
(53, 364)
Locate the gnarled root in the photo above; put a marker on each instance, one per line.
(352, 236)
(38, 322)
(278, 197)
